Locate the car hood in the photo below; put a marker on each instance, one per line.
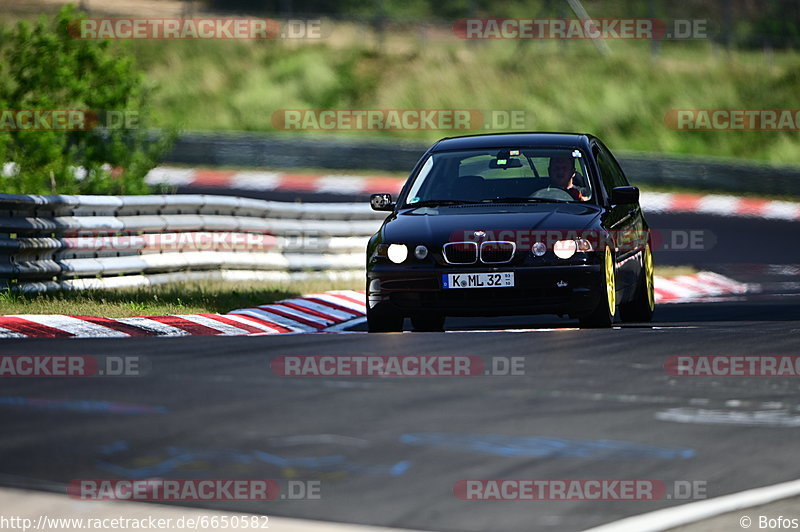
(429, 225)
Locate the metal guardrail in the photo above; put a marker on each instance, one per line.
(712, 174)
(286, 151)
(338, 153)
(75, 242)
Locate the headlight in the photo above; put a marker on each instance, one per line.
(539, 249)
(420, 252)
(397, 253)
(564, 249)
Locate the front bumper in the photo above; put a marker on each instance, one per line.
(573, 290)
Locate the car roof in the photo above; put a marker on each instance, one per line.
(504, 140)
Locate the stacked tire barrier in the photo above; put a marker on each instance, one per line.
(80, 242)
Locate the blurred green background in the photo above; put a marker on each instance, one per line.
(398, 54)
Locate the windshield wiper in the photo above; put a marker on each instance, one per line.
(523, 199)
(438, 202)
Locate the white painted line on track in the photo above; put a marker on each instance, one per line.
(693, 512)
(701, 416)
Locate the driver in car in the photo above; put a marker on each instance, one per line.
(562, 173)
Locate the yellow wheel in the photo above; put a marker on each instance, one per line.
(648, 278)
(603, 315)
(611, 285)
(641, 307)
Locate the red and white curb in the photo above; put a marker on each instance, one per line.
(260, 180)
(721, 205)
(699, 287)
(332, 311)
(655, 202)
(312, 313)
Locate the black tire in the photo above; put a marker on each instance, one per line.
(602, 317)
(428, 322)
(383, 322)
(641, 308)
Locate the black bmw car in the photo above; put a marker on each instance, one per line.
(504, 224)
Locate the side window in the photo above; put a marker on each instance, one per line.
(610, 171)
(605, 170)
(622, 180)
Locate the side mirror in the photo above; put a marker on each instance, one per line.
(624, 195)
(381, 202)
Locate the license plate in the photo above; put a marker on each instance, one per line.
(477, 280)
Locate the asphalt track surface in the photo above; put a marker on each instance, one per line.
(591, 404)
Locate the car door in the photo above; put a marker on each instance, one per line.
(624, 222)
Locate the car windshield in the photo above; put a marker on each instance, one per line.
(502, 175)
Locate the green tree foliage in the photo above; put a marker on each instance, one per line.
(778, 25)
(45, 67)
